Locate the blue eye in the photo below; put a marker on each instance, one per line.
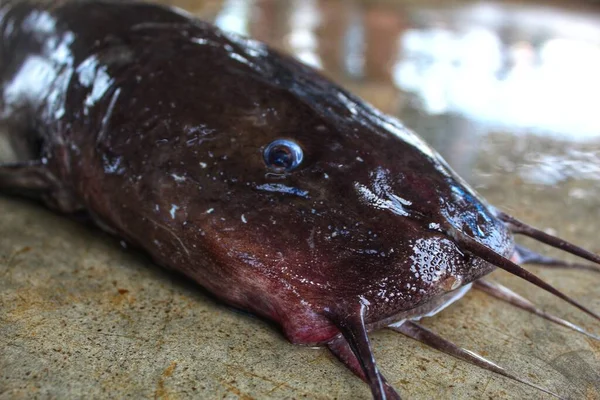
(283, 155)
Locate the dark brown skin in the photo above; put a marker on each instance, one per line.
(156, 125)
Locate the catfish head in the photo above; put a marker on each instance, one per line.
(286, 195)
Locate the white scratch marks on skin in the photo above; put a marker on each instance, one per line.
(244, 220)
(113, 166)
(204, 42)
(278, 187)
(379, 202)
(435, 226)
(178, 178)
(210, 210)
(174, 209)
(381, 195)
(166, 229)
(94, 76)
(107, 116)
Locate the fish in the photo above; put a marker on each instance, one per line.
(252, 175)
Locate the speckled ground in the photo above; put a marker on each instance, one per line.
(81, 317)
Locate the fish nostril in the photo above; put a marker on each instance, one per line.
(482, 225)
(467, 229)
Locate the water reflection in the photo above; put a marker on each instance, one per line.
(550, 169)
(514, 76)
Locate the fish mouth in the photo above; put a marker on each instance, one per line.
(353, 347)
(427, 309)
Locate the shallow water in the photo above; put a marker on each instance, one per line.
(506, 93)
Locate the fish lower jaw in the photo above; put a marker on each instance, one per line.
(315, 330)
(434, 307)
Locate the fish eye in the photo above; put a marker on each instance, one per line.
(283, 155)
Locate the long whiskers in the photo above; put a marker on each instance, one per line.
(351, 323)
(424, 335)
(522, 228)
(505, 294)
(528, 256)
(477, 249)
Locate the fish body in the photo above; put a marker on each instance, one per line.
(177, 137)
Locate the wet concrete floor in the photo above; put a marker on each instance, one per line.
(507, 93)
